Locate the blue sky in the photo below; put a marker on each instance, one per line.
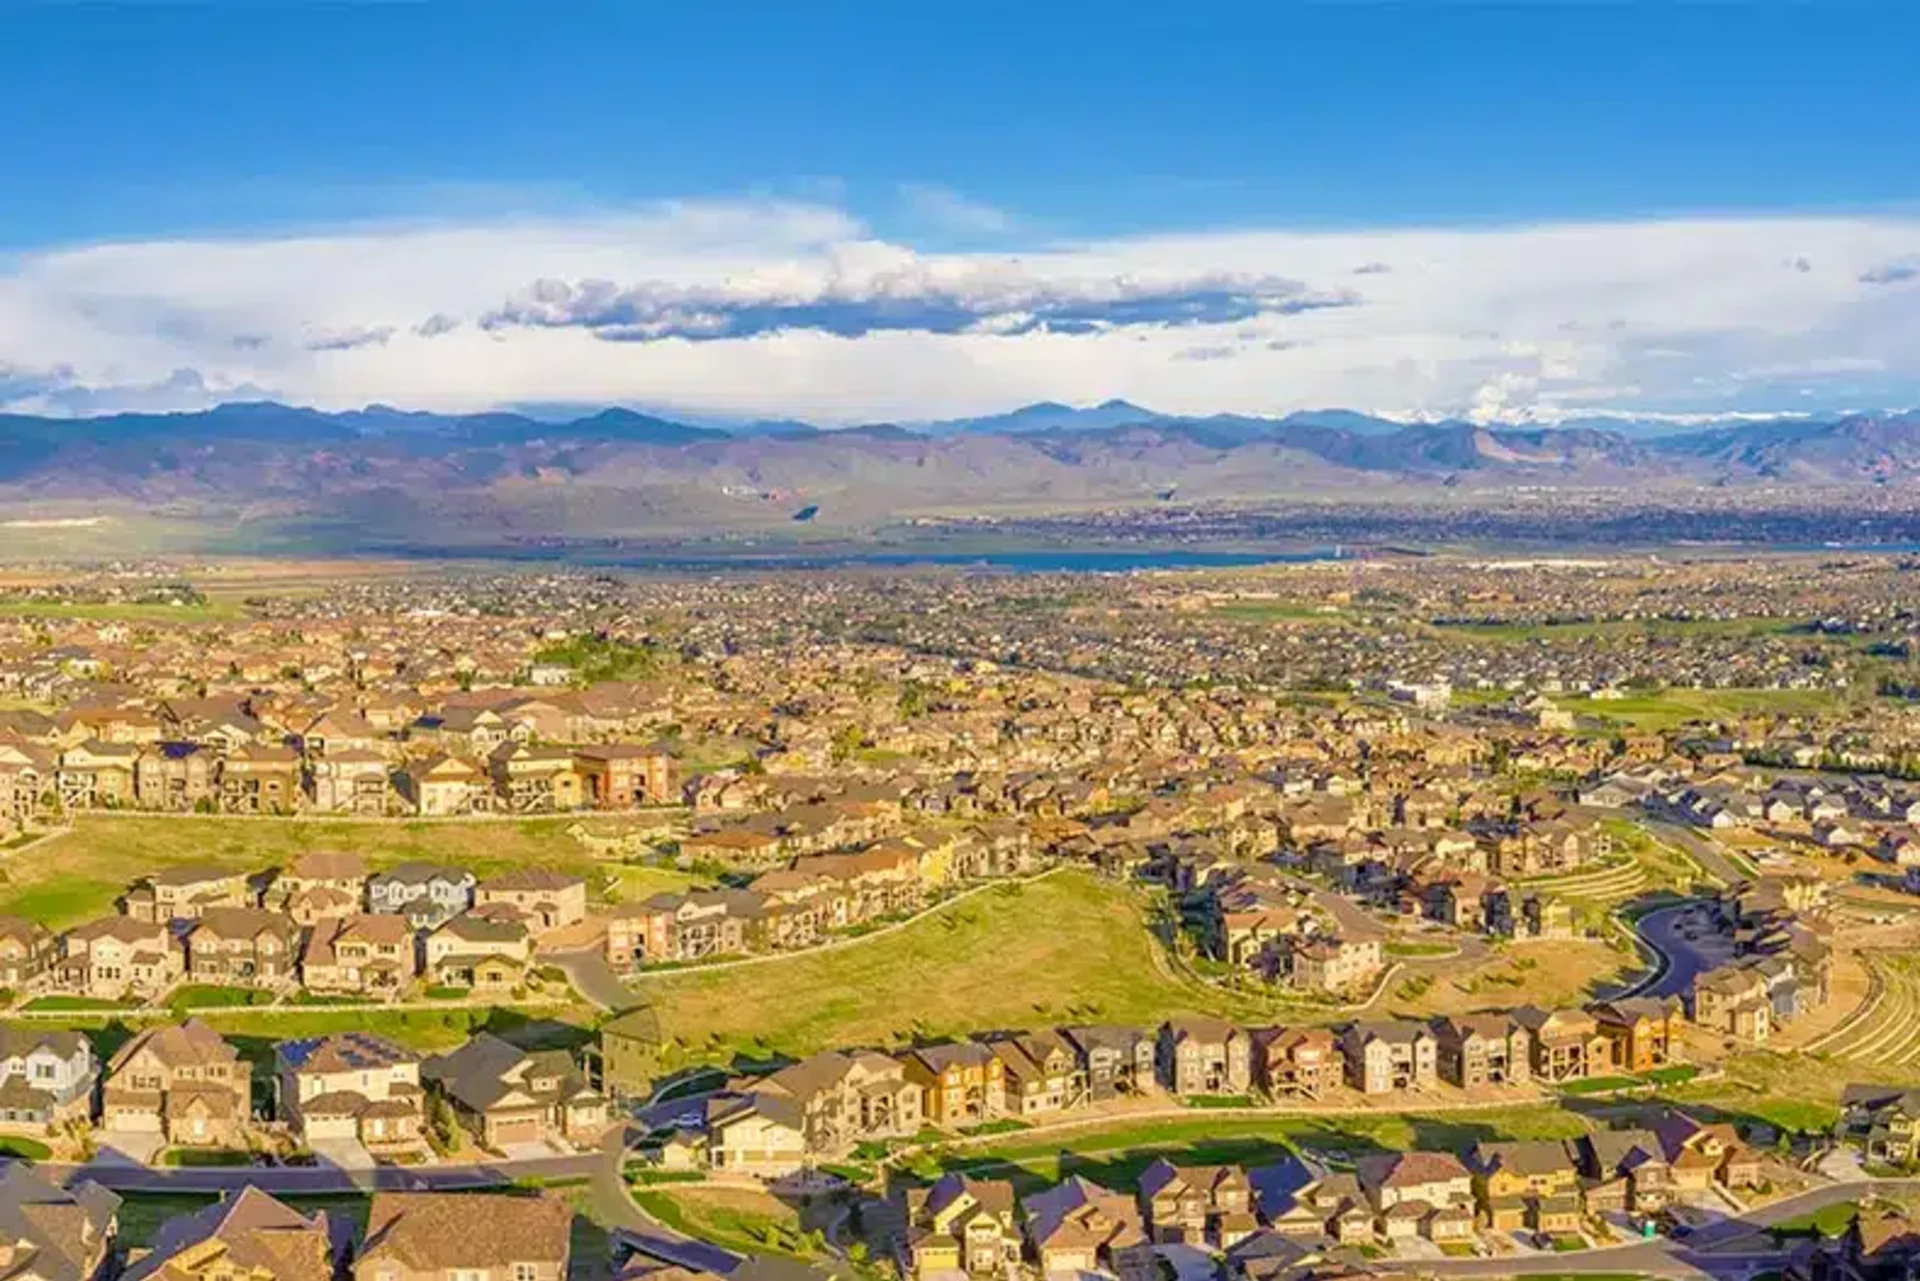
(1239, 155)
(138, 119)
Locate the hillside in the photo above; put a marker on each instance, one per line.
(263, 475)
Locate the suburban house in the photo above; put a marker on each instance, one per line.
(535, 780)
(1626, 1170)
(352, 1085)
(1567, 1044)
(1077, 1226)
(505, 1096)
(1528, 1185)
(183, 893)
(425, 894)
(363, 954)
(120, 956)
(960, 1224)
(1426, 1194)
(175, 776)
(54, 1233)
(1391, 1054)
(1883, 1121)
(961, 1082)
(630, 1052)
(446, 1236)
(818, 1108)
(1335, 962)
(181, 1082)
(27, 950)
(685, 927)
(480, 955)
(1296, 1062)
(1483, 1049)
(243, 945)
(544, 900)
(320, 884)
(94, 774)
(1042, 1073)
(1702, 1155)
(1201, 1055)
(47, 1076)
(442, 785)
(248, 1235)
(618, 776)
(1197, 1205)
(1113, 1060)
(1735, 1000)
(1640, 1031)
(353, 781)
(261, 779)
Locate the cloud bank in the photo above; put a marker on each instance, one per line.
(759, 308)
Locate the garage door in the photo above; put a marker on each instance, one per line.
(517, 1129)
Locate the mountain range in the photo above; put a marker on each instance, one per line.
(387, 478)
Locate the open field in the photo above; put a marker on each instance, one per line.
(1544, 973)
(1116, 1155)
(1669, 708)
(213, 611)
(1517, 632)
(1069, 948)
(1885, 1030)
(78, 875)
(744, 1220)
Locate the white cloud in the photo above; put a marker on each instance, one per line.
(775, 308)
(946, 210)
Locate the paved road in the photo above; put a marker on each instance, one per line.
(1707, 852)
(594, 979)
(637, 1230)
(1681, 958)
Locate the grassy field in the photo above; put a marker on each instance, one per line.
(1547, 974)
(1116, 1156)
(1070, 948)
(1669, 708)
(1517, 632)
(79, 875)
(745, 1220)
(183, 615)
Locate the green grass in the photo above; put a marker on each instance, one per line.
(1600, 1084)
(1274, 611)
(77, 1004)
(1671, 708)
(1116, 1155)
(210, 996)
(1827, 1221)
(1516, 632)
(748, 1222)
(200, 1158)
(26, 1149)
(1069, 948)
(1411, 947)
(108, 612)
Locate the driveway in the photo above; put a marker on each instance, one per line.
(594, 979)
(127, 1147)
(343, 1154)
